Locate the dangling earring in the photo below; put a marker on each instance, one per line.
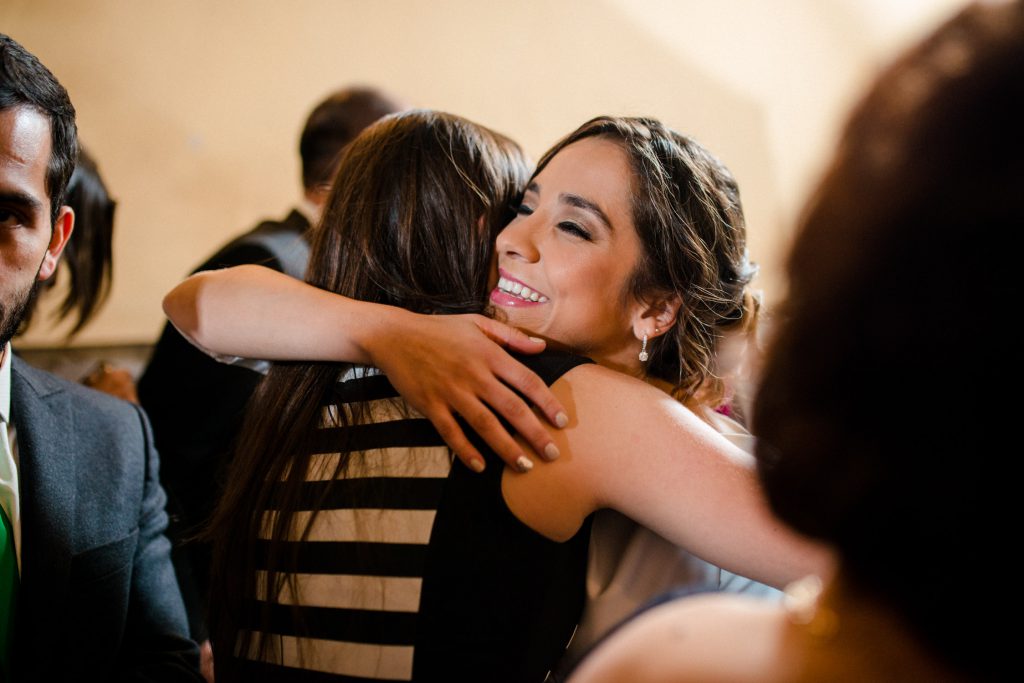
(643, 351)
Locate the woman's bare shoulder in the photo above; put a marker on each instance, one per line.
(593, 375)
(704, 639)
(602, 394)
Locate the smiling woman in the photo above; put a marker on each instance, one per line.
(573, 248)
(661, 205)
(593, 247)
(898, 270)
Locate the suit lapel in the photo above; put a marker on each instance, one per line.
(41, 412)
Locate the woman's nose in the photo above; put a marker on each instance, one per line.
(517, 240)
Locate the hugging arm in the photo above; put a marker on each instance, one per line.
(443, 365)
(633, 448)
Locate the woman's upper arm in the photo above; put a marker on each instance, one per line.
(649, 457)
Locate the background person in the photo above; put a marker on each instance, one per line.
(86, 582)
(88, 261)
(88, 256)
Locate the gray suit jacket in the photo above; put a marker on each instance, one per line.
(98, 599)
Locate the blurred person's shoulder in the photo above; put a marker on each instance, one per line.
(705, 639)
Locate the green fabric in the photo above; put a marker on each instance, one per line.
(8, 593)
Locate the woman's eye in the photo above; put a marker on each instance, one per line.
(575, 229)
(522, 209)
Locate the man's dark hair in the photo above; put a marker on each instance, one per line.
(333, 124)
(25, 82)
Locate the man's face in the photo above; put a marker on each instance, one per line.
(29, 244)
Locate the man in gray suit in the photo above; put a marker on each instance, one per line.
(87, 589)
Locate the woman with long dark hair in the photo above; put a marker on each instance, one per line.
(498, 588)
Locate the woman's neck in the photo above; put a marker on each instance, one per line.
(628, 364)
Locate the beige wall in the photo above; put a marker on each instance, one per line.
(193, 107)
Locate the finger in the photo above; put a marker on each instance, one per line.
(490, 429)
(510, 337)
(524, 421)
(527, 383)
(456, 439)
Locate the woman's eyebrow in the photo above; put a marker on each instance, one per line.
(587, 205)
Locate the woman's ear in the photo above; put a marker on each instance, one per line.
(657, 316)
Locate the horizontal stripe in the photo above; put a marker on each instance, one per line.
(427, 461)
(362, 525)
(350, 625)
(359, 372)
(364, 389)
(248, 670)
(382, 410)
(350, 659)
(409, 433)
(372, 559)
(347, 591)
(377, 493)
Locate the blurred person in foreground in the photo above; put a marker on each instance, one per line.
(898, 272)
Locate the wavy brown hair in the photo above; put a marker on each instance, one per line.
(879, 415)
(411, 221)
(687, 213)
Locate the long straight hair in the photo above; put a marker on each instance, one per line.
(410, 222)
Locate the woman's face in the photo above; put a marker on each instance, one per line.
(565, 261)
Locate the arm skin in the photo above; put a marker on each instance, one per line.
(695, 641)
(442, 365)
(633, 448)
(628, 445)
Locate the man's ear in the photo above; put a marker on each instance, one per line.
(62, 228)
(657, 316)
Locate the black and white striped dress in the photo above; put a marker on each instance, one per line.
(414, 568)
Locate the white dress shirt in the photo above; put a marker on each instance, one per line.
(9, 490)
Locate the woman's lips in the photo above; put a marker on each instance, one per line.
(512, 292)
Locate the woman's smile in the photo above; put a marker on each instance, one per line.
(566, 259)
(512, 292)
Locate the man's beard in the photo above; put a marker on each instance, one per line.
(11, 318)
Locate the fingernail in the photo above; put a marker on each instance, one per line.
(561, 420)
(524, 464)
(551, 452)
(476, 465)
(537, 340)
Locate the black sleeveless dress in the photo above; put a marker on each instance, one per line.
(415, 568)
